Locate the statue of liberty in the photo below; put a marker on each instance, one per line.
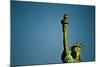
(71, 55)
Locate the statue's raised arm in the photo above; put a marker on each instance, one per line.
(66, 56)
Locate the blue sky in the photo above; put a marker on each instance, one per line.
(36, 31)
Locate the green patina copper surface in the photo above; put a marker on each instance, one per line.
(73, 55)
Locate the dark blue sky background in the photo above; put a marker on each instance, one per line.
(36, 31)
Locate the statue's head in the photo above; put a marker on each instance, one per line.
(76, 51)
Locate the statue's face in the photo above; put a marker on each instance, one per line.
(78, 51)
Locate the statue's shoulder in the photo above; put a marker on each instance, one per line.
(69, 58)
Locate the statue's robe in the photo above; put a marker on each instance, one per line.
(68, 58)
